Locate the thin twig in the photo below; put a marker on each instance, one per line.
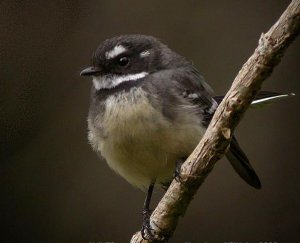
(216, 140)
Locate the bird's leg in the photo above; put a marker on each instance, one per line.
(146, 228)
(177, 175)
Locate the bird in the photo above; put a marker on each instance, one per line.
(149, 108)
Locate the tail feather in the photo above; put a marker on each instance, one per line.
(266, 97)
(262, 98)
(235, 155)
(241, 164)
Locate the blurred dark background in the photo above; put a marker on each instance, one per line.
(53, 186)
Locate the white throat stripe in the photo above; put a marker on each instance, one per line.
(117, 50)
(112, 81)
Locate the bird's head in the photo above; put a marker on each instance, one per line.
(129, 58)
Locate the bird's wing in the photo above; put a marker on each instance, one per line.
(192, 87)
(182, 87)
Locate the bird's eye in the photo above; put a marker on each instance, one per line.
(123, 61)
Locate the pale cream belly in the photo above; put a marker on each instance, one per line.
(139, 143)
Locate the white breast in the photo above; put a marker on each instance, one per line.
(140, 144)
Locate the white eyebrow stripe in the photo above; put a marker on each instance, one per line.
(109, 82)
(117, 50)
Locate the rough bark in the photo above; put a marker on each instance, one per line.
(215, 141)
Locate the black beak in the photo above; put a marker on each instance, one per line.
(90, 71)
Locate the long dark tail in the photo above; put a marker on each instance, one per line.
(241, 164)
(236, 156)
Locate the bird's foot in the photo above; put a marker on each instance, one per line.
(177, 175)
(147, 231)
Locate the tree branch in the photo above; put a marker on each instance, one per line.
(216, 140)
